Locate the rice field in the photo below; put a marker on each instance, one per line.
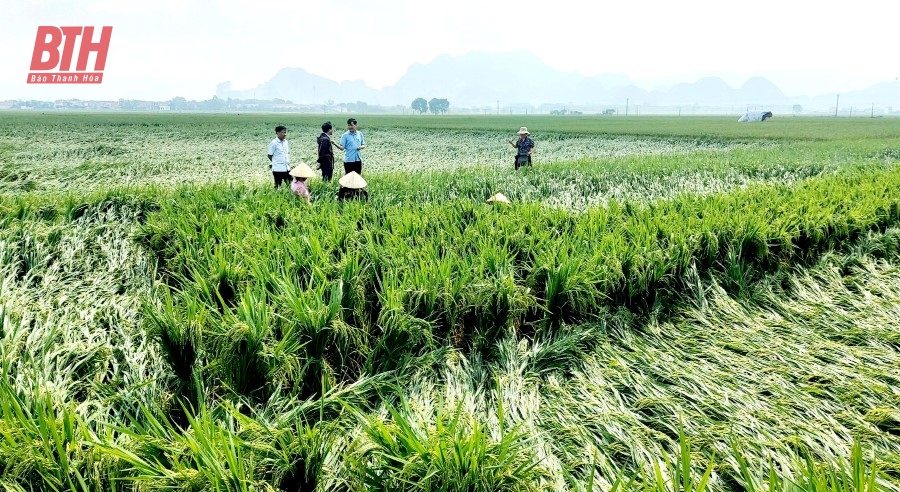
(667, 304)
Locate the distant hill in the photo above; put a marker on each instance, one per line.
(480, 79)
(884, 94)
(302, 87)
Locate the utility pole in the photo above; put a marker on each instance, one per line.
(836, 105)
(498, 106)
(626, 106)
(873, 111)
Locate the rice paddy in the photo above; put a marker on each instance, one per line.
(667, 304)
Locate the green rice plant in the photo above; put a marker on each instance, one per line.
(457, 453)
(566, 286)
(208, 455)
(398, 334)
(42, 443)
(679, 470)
(294, 454)
(319, 338)
(287, 444)
(178, 325)
(856, 476)
(571, 267)
(240, 344)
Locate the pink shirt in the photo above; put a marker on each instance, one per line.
(299, 188)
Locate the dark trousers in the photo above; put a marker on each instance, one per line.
(353, 166)
(281, 176)
(518, 165)
(327, 166)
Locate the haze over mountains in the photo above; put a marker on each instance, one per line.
(520, 78)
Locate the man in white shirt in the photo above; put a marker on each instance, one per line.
(280, 157)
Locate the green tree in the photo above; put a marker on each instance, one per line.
(438, 106)
(358, 107)
(420, 105)
(178, 103)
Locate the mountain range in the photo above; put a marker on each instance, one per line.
(481, 79)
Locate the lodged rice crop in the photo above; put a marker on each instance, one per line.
(713, 319)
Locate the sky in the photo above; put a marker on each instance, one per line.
(165, 48)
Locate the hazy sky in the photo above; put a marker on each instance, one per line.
(164, 48)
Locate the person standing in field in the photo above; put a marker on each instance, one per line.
(326, 154)
(352, 141)
(279, 157)
(524, 145)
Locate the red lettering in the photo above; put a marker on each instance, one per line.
(70, 33)
(87, 46)
(41, 46)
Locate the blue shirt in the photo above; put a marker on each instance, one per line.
(524, 145)
(351, 142)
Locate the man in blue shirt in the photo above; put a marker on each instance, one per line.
(352, 141)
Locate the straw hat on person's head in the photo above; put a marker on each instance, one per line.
(353, 181)
(302, 170)
(499, 197)
(523, 131)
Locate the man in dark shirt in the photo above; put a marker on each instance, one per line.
(524, 145)
(326, 155)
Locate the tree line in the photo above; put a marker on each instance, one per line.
(435, 105)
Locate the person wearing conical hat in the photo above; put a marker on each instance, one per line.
(353, 187)
(498, 198)
(524, 145)
(301, 173)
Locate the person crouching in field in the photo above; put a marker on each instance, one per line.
(299, 187)
(524, 145)
(352, 188)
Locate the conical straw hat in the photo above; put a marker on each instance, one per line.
(302, 170)
(499, 197)
(353, 181)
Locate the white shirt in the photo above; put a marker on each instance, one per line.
(281, 155)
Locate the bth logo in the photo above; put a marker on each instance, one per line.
(48, 41)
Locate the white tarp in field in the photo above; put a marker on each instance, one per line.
(755, 116)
